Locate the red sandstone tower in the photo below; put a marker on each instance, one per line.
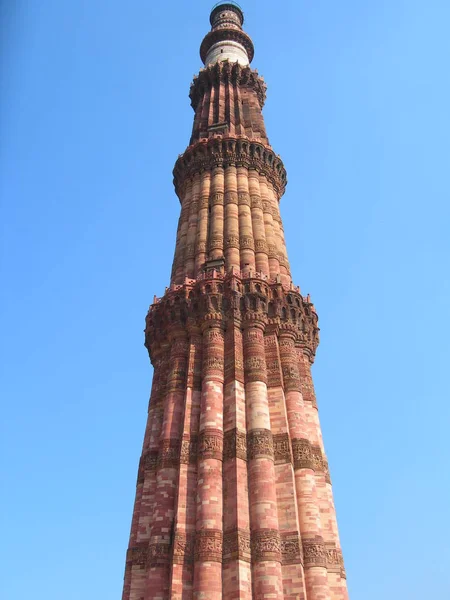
(233, 496)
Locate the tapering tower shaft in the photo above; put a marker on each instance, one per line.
(234, 498)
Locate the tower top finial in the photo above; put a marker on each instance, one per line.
(226, 6)
(226, 40)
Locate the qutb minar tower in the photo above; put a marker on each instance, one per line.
(233, 496)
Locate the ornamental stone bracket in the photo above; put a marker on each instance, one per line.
(230, 299)
(227, 151)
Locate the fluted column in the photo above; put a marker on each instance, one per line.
(246, 239)
(184, 531)
(336, 573)
(216, 216)
(167, 470)
(135, 572)
(192, 228)
(307, 500)
(202, 222)
(231, 223)
(209, 535)
(291, 548)
(279, 237)
(259, 232)
(265, 537)
(274, 263)
(237, 581)
(179, 261)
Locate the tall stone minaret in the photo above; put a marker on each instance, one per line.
(233, 496)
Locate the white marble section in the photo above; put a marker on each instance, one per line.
(227, 50)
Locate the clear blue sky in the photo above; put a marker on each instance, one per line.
(94, 111)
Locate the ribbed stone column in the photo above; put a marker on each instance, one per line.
(216, 215)
(246, 240)
(184, 531)
(336, 573)
(202, 223)
(179, 261)
(259, 232)
(231, 223)
(314, 555)
(274, 263)
(135, 573)
(265, 537)
(279, 237)
(209, 533)
(167, 469)
(192, 228)
(291, 549)
(237, 581)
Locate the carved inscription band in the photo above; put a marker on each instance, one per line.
(265, 545)
(307, 456)
(259, 444)
(183, 548)
(236, 546)
(239, 544)
(235, 444)
(282, 448)
(314, 553)
(291, 548)
(208, 545)
(210, 444)
(149, 555)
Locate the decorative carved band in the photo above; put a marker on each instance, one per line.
(335, 560)
(291, 376)
(259, 444)
(244, 198)
(217, 198)
(261, 246)
(188, 453)
(282, 448)
(147, 464)
(206, 155)
(183, 547)
(301, 449)
(236, 545)
(235, 444)
(291, 548)
(265, 545)
(232, 242)
(273, 373)
(314, 553)
(208, 545)
(169, 454)
(158, 554)
(255, 369)
(137, 555)
(210, 444)
(246, 242)
(326, 470)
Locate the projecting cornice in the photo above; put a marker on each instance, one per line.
(227, 72)
(224, 152)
